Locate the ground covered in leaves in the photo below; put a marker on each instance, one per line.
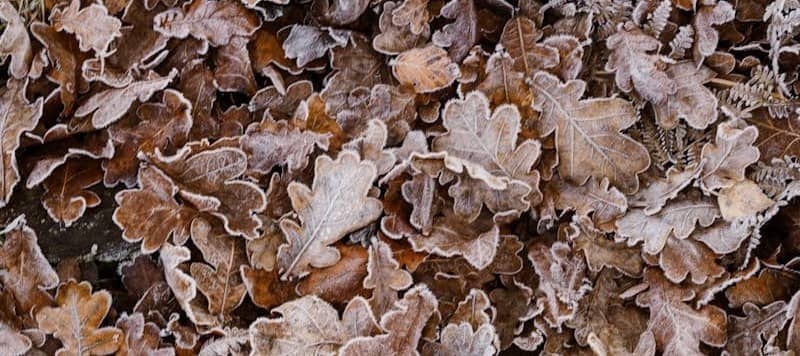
(370, 177)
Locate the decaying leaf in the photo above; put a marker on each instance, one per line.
(215, 21)
(336, 204)
(17, 115)
(92, 25)
(15, 41)
(676, 219)
(635, 65)
(66, 196)
(76, 321)
(520, 37)
(24, 270)
(426, 69)
(385, 277)
(587, 133)
(725, 160)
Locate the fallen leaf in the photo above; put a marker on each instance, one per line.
(427, 69)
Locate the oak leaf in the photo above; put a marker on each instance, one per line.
(460, 339)
(336, 204)
(706, 37)
(307, 43)
(92, 25)
(682, 257)
(460, 35)
(341, 282)
(310, 325)
(725, 160)
(653, 197)
(140, 337)
(411, 13)
(692, 101)
(605, 203)
(759, 327)
(15, 42)
(150, 213)
(677, 219)
(427, 69)
(562, 281)
(395, 38)
(451, 236)
(233, 72)
(601, 252)
(269, 144)
(384, 277)
(776, 137)
(110, 105)
(66, 195)
(403, 326)
(265, 288)
(216, 21)
(339, 12)
(635, 67)
(678, 327)
(63, 52)
(18, 116)
(24, 270)
(76, 321)
(587, 135)
(520, 37)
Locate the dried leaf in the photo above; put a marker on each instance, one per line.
(24, 270)
(635, 67)
(677, 219)
(691, 101)
(744, 199)
(76, 320)
(269, 144)
(335, 205)
(18, 116)
(92, 25)
(215, 21)
(15, 41)
(385, 277)
(66, 196)
(745, 334)
(587, 133)
(606, 204)
(460, 35)
(427, 69)
(520, 37)
(725, 160)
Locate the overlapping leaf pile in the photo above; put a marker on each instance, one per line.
(436, 177)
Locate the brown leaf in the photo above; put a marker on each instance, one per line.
(269, 144)
(460, 35)
(12, 339)
(140, 337)
(606, 204)
(472, 310)
(635, 67)
(341, 282)
(66, 196)
(76, 321)
(15, 41)
(587, 133)
(681, 257)
(62, 50)
(162, 126)
(507, 261)
(233, 72)
(745, 333)
(601, 252)
(265, 288)
(427, 69)
(459, 339)
(216, 21)
(24, 270)
(335, 205)
(411, 13)
(110, 105)
(743, 200)
(92, 25)
(396, 38)
(150, 213)
(562, 281)
(307, 43)
(310, 325)
(452, 236)
(706, 37)
(18, 116)
(654, 196)
(339, 12)
(679, 328)
(776, 137)
(691, 101)
(725, 160)
(520, 37)
(384, 277)
(403, 326)
(677, 219)
(768, 286)
(570, 53)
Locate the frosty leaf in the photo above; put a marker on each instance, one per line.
(15, 41)
(692, 101)
(16, 117)
(66, 196)
(570, 53)
(680, 258)
(208, 176)
(588, 140)
(743, 200)
(109, 105)
(459, 339)
(679, 328)
(472, 310)
(768, 286)
(163, 126)
(507, 260)
(403, 326)
(270, 143)
(677, 218)
(395, 38)
(758, 327)
(341, 282)
(460, 35)
(150, 213)
(339, 12)
(706, 37)
(606, 204)
(385, 277)
(371, 144)
(92, 25)
(335, 205)
(308, 325)
(307, 43)
(725, 161)
(411, 13)
(724, 237)
(427, 69)
(562, 280)
(491, 141)
(24, 270)
(601, 252)
(519, 38)
(63, 51)
(216, 21)
(776, 137)
(654, 196)
(140, 337)
(635, 67)
(12, 339)
(421, 192)
(265, 288)
(233, 72)
(451, 236)
(76, 320)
